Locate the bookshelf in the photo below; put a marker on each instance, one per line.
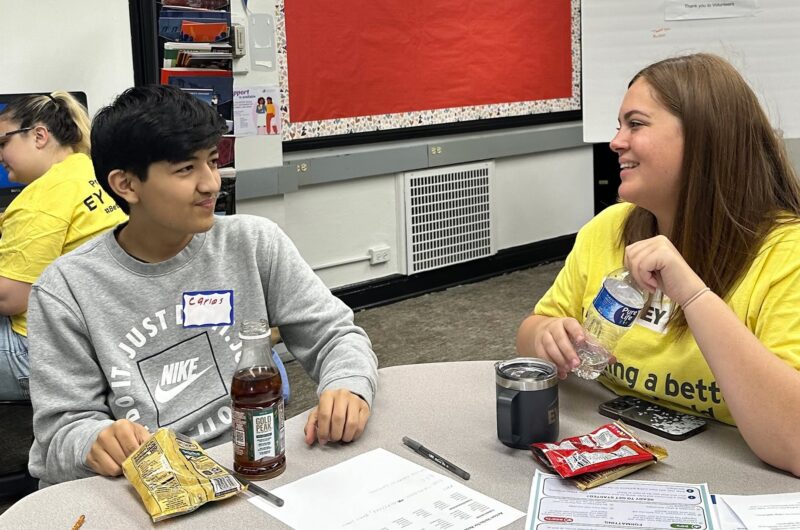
(196, 56)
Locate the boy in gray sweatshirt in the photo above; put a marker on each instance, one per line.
(124, 332)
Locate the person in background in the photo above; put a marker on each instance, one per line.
(115, 361)
(44, 144)
(708, 224)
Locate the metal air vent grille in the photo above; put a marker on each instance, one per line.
(448, 216)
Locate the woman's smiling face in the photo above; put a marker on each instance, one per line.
(649, 144)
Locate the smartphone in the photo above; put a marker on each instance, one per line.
(652, 418)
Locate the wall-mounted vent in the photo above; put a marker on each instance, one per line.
(448, 216)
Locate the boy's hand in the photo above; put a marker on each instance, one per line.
(341, 416)
(113, 445)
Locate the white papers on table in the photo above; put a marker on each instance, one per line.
(764, 512)
(557, 503)
(378, 490)
(725, 518)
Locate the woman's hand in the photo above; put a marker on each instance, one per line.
(655, 263)
(553, 339)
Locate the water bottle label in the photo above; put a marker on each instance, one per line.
(613, 310)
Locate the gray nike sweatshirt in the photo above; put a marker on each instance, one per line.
(112, 337)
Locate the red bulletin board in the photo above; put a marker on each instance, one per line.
(354, 59)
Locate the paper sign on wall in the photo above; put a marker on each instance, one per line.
(257, 111)
(699, 9)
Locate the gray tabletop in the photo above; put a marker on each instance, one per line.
(448, 407)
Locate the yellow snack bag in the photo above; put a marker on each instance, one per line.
(174, 475)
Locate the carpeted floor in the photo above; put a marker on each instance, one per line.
(477, 321)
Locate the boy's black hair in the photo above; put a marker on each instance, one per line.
(148, 124)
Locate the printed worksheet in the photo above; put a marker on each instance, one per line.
(380, 490)
(557, 504)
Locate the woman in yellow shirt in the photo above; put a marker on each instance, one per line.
(711, 230)
(44, 144)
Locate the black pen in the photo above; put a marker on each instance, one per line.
(271, 497)
(427, 453)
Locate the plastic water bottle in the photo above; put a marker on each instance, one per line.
(610, 316)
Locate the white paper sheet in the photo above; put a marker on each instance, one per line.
(380, 490)
(724, 517)
(644, 505)
(766, 512)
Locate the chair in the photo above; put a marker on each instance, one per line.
(16, 417)
(275, 338)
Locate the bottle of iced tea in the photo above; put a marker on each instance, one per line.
(258, 434)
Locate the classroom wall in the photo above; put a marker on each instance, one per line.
(66, 45)
(535, 197)
(793, 146)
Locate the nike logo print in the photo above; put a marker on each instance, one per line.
(165, 396)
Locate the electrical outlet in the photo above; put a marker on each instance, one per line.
(379, 254)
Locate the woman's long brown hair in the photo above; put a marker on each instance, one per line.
(736, 178)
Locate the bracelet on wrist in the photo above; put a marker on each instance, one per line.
(694, 297)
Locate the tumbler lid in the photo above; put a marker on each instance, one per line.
(526, 373)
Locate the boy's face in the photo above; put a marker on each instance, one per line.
(178, 199)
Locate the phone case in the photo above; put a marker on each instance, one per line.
(652, 418)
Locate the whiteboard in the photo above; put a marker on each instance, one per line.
(66, 45)
(620, 37)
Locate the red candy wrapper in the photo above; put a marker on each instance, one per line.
(607, 447)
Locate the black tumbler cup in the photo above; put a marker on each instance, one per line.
(527, 401)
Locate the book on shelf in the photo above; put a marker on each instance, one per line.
(172, 49)
(194, 13)
(172, 25)
(201, 4)
(219, 81)
(220, 61)
(204, 31)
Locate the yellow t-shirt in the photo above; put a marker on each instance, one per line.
(52, 215)
(656, 366)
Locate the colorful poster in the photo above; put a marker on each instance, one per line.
(256, 111)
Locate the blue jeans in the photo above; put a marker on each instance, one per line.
(15, 367)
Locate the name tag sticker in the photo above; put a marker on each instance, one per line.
(207, 308)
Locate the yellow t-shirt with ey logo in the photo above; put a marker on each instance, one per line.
(52, 215)
(653, 364)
